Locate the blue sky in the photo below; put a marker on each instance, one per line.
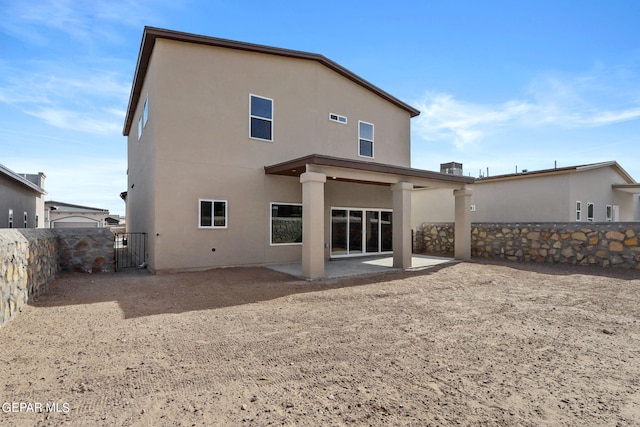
(500, 83)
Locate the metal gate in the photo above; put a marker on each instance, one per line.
(130, 250)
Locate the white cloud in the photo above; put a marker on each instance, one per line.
(83, 21)
(443, 117)
(89, 101)
(104, 122)
(581, 102)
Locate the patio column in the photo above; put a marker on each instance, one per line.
(462, 246)
(313, 224)
(402, 244)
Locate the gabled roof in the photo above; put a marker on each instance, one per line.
(559, 171)
(68, 207)
(20, 179)
(151, 34)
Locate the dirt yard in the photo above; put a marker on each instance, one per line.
(463, 344)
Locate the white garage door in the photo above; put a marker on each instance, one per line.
(60, 224)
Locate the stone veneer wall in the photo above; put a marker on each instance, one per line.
(29, 262)
(610, 244)
(31, 258)
(86, 250)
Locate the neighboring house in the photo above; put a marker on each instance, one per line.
(596, 192)
(21, 199)
(66, 215)
(112, 220)
(241, 154)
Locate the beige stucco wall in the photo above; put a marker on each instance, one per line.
(542, 198)
(142, 164)
(196, 145)
(432, 205)
(595, 186)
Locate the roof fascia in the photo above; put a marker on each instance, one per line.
(612, 164)
(22, 180)
(300, 164)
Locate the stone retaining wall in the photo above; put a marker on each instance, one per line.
(31, 258)
(610, 244)
(29, 262)
(86, 250)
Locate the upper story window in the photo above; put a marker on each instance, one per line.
(212, 214)
(337, 118)
(590, 212)
(609, 213)
(142, 120)
(260, 118)
(26, 220)
(365, 139)
(10, 225)
(145, 111)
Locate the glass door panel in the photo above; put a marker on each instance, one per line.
(373, 231)
(339, 232)
(355, 232)
(386, 236)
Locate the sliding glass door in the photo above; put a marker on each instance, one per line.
(360, 231)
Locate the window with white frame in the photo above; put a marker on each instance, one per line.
(365, 139)
(338, 118)
(142, 120)
(609, 213)
(260, 118)
(212, 213)
(578, 211)
(286, 223)
(10, 225)
(26, 220)
(590, 211)
(145, 111)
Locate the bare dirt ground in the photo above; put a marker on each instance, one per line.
(464, 344)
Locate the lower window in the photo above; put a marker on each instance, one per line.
(286, 223)
(212, 214)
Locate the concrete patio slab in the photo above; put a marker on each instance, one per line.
(345, 267)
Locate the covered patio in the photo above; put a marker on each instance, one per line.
(314, 171)
(360, 266)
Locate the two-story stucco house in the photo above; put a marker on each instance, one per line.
(242, 154)
(597, 192)
(21, 199)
